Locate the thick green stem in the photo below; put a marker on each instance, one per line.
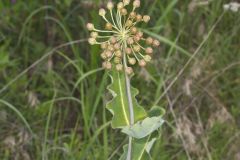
(130, 103)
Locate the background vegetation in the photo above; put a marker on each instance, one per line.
(53, 91)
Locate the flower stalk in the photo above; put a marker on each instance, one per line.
(130, 104)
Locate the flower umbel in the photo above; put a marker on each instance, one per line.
(122, 42)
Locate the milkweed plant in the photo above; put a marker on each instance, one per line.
(123, 46)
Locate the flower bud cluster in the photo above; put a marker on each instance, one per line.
(123, 44)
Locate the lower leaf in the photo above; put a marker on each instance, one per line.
(141, 149)
(143, 128)
(147, 126)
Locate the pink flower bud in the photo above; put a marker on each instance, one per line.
(142, 63)
(110, 5)
(119, 67)
(90, 26)
(136, 3)
(149, 50)
(146, 18)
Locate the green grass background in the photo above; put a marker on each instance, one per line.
(53, 91)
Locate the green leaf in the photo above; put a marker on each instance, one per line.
(144, 128)
(4, 59)
(147, 126)
(118, 106)
(150, 144)
(68, 2)
(4, 55)
(156, 111)
(140, 149)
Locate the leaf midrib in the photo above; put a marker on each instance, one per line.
(122, 101)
